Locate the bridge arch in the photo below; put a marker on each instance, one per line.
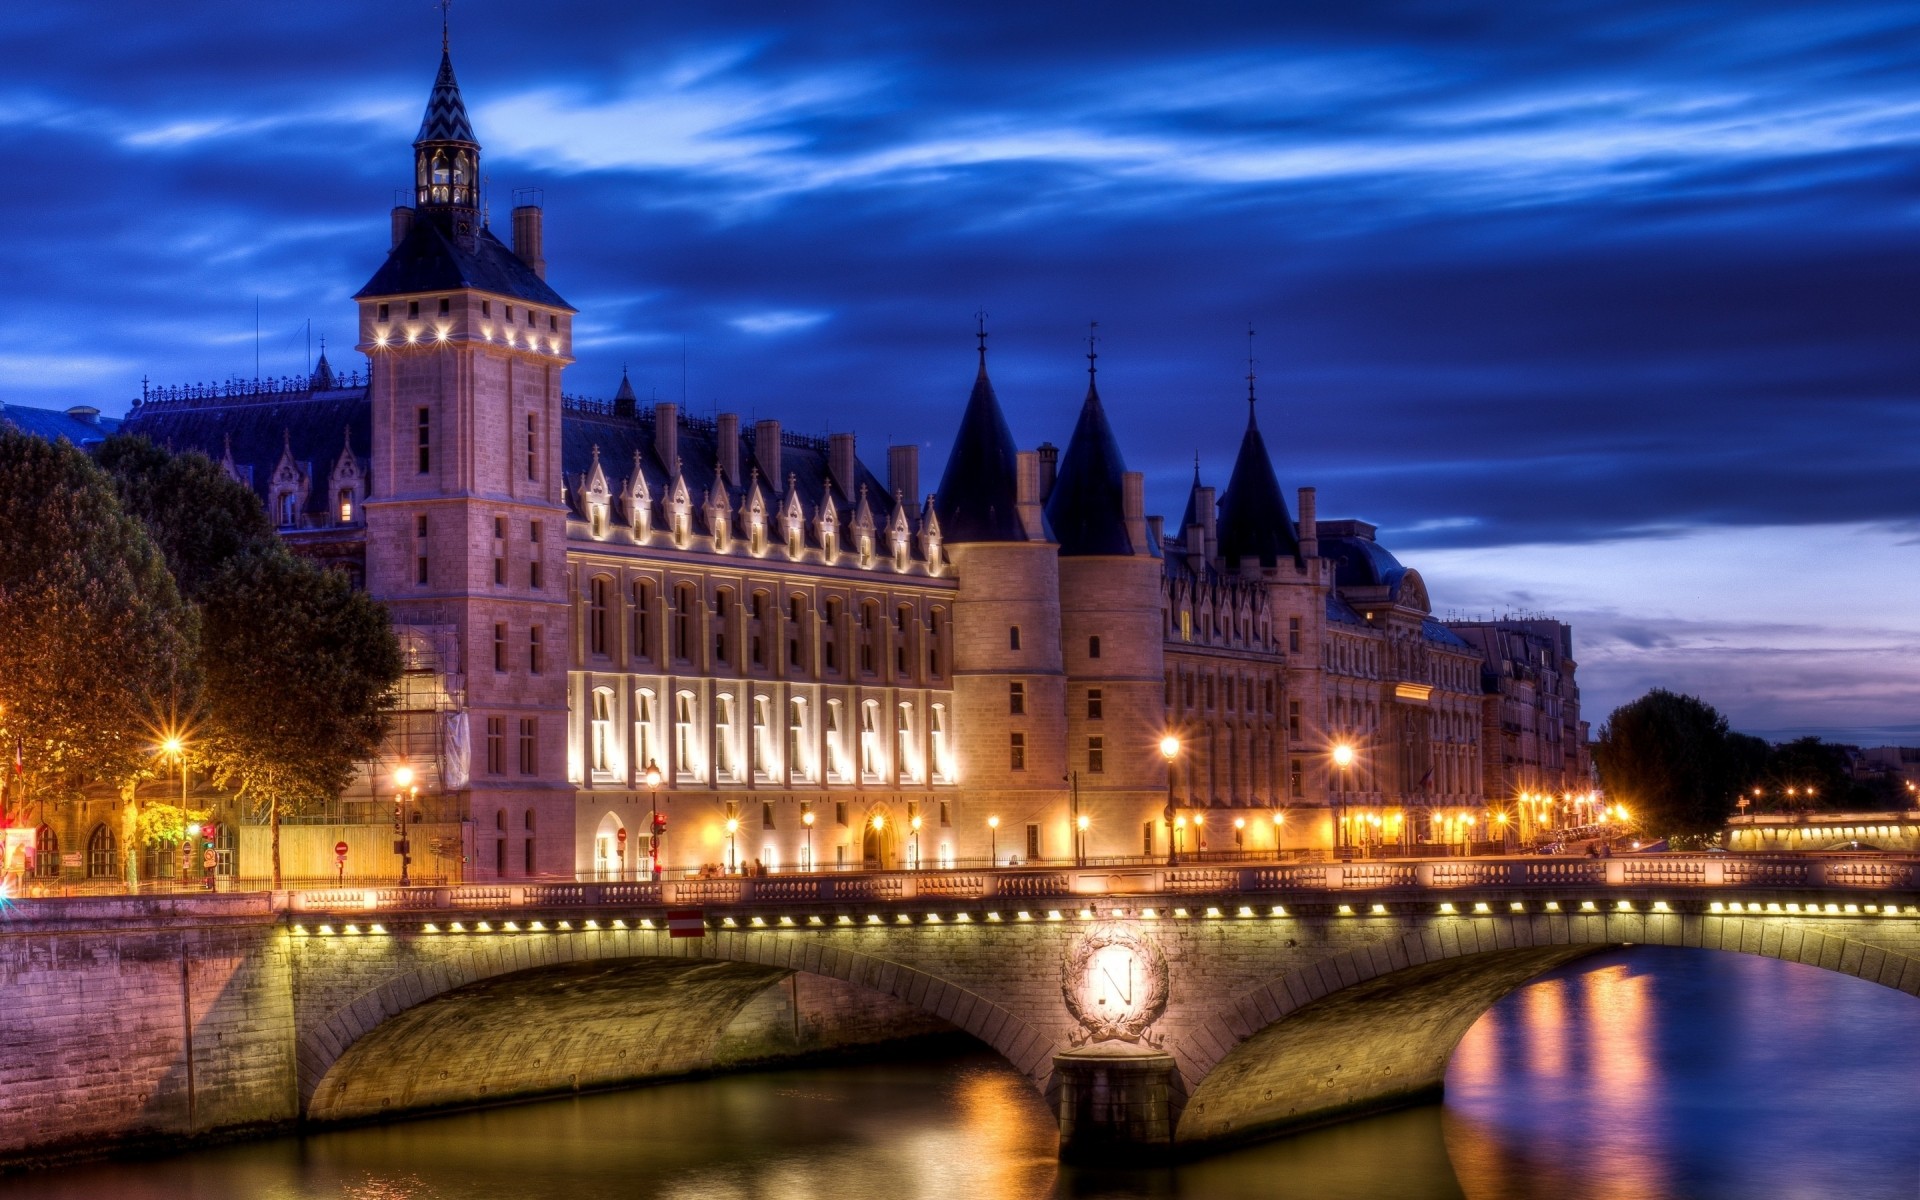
(1374, 1026)
(730, 968)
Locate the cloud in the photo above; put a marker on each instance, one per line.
(777, 322)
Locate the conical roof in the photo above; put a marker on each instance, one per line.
(446, 115)
(1254, 522)
(1191, 517)
(322, 379)
(626, 389)
(980, 489)
(1087, 509)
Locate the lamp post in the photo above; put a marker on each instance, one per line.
(404, 791)
(993, 841)
(1279, 820)
(914, 821)
(1239, 834)
(1170, 750)
(1073, 785)
(1179, 832)
(1342, 758)
(806, 818)
(1080, 824)
(657, 827)
(176, 749)
(733, 860)
(879, 823)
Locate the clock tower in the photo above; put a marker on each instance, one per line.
(465, 522)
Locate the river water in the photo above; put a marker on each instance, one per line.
(1639, 1074)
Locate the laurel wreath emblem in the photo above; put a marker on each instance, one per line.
(1095, 1027)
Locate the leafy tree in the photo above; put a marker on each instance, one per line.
(96, 645)
(299, 667)
(198, 515)
(1673, 762)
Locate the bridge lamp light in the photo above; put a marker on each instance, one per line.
(1346, 910)
(1212, 911)
(1342, 755)
(1245, 911)
(1277, 911)
(1180, 912)
(1379, 910)
(1082, 822)
(1446, 908)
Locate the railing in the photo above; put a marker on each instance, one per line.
(155, 398)
(1702, 874)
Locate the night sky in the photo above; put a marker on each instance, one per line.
(1600, 310)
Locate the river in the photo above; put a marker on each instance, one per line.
(1636, 1074)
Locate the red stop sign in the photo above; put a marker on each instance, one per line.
(340, 851)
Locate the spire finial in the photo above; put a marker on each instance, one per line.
(446, 8)
(1093, 355)
(980, 331)
(1249, 363)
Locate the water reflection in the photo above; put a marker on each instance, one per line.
(1650, 1074)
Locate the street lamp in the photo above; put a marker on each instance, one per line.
(1080, 825)
(806, 818)
(993, 841)
(1179, 831)
(657, 827)
(1239, 833)
(1170, 750)
(176, 749)
(733, 860)
(404, 792)
(1279, 820)
(914, 821)
(1342, 758)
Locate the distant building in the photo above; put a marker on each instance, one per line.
(827, 666)
(1535, 752)
(81, 424)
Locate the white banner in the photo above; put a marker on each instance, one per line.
(457, 744)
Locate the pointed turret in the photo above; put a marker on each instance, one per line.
(322, 379)
(1087, 509)
(446, 157)
(1191, 516)
(625, 403)
(1254, 522)
(979, 491)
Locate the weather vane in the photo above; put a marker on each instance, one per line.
(446, 10)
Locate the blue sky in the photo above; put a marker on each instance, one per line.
(1604, 310)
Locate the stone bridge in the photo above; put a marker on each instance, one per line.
(1161, 1010)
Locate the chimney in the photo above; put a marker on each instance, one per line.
(903, 473)
(841, 464)
(1309, 526)
(1049, 469)
(402, 223)
(1133, 507)
(528, 244)
(727, 434)
(1027, 495)
(1208, 516)
(666, 436)
(766, 455)
(1157, 531)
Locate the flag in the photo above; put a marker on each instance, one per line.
(686, 923)
(1426, 781)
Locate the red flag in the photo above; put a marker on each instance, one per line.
(686, 923)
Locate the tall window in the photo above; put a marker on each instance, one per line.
(1033, 843)
(1017, 751)
(836, 745)
(869, 636)
(602, 732)
(103, 858)
(1096, 755)
(533, 443)
(723, 738)
(683, 621)
(869, 739)
(902, 739)
(796, 612)
(1013, 637)
(425, 440)
(1293, 634)
(830, 635)
(933, 643)
(536, 660)
(683, 759)
(937, 735)
(1016, 698)
(1093, 704)
(598, 598)
(46, 852)
(529, 745)
(535, 564)
(797, 739)
(500, 647)
(720, 625)
(420, 548)
(765, 750)
(1093, 647)
(644, 754)
(1296, 785)
(642, 620)
(496, 745)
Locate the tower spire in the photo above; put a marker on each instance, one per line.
(1250, 397)
(980, 331)
(1093, 354)
(446, 154)
(446, 10)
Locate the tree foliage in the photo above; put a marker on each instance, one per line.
(1673, 762)
(298, 666)
(97, 648)
(198, 515)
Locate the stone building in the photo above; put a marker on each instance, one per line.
(1537, 764)
(824, 667)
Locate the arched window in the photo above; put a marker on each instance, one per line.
(830, 635)
(942, 750)
(683, 602)
(721, 610)
(903, 758)
(642, 619)
(103, 856)
(599, 597)
(766, 761)
(346, 506)
(796, 616)
(46, 852)
(289, 509)
(933, 643)
(836, 742)
(683, 743)
(723, 738)
(869, 635)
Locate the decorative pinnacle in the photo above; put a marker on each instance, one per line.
(1249, 363)
(1093, 355)
(980, 331)
(446, 8)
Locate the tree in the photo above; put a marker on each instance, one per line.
(199, 516)
(299, 668)
(1673, 762)
(96, 644)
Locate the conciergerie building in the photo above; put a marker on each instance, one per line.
(824, 667)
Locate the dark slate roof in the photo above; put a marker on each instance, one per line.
(1437, 633)
(1087, 507)
(1254, 522)
(1191, 517)
(446, 116)
(314, 425)
(53, 424)
(803, 458)
(427, 260)
(1339, 612)
(979, 491)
